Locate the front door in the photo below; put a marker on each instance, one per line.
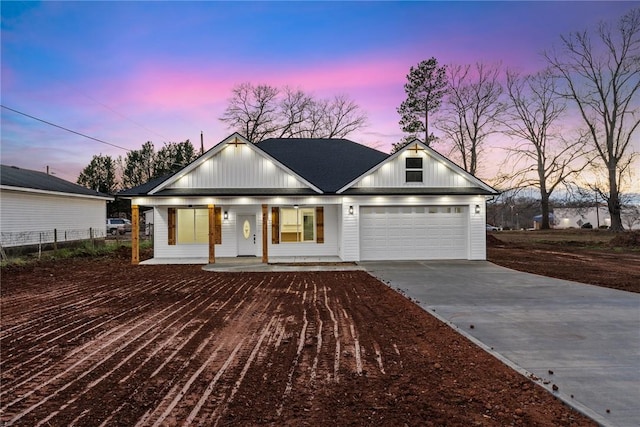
(246, 235)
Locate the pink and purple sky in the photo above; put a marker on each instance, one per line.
(129, 72)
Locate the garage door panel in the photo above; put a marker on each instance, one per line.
(417, 232)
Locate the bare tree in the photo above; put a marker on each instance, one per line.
(471, 110)
(631, 216)
(341, 117)
(603, 82)
(295, 107)
(532, 117)
(260, 112)
(253, 111)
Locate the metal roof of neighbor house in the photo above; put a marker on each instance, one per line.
(12, 176)
(328, 164)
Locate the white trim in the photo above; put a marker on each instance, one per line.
(429, 151)
(54, 193)
(215, 150)
(235, 200)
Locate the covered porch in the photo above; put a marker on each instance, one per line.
(255, 264)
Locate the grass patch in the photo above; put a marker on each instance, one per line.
(85, 249)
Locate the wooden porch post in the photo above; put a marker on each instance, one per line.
(135, 235)
(212, 234)
(265, 246)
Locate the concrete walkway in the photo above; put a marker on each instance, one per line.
(584, 339)
(255, 264)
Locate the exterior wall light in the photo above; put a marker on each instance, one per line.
(477, 209)
(350, 210)
(295, 206)
(226, 215)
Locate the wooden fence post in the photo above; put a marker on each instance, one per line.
(135, 235)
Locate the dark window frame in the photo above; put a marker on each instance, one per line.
(413, 169)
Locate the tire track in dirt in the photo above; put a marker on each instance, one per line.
(111, 352)
(240, 319)
(200, 348)
(336, 336)
(35, 343)
(47, 318)
(103, 349)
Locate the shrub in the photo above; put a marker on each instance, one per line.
(627, 239)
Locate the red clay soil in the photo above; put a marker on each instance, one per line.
(98, 342)
(616, 266)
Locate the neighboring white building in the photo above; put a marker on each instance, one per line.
(576, 217)
(33, 204)
(316, 198)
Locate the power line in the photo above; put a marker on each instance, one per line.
(64, 128)
(76, 89)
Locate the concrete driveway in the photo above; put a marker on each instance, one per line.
(583, 339)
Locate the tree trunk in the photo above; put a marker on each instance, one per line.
(544, 207)
(474, 159)
(426, 126)
(613, 201)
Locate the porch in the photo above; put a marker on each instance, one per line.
(255, 264)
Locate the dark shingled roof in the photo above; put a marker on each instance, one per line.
(143, 189)
(13, 176)
(329, 164)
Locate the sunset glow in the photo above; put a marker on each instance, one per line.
(130, 72)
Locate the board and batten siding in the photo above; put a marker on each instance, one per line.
(477, 232)
(350, 245)
(434, 174)
(230, 233)
(162, 249)
(31, 213)
(238, 167)
(311, 249)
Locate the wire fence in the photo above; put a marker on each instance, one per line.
(9, 239)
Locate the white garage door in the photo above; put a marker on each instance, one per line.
(413, 232)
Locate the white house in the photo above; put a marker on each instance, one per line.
(39, 208)
(576, 217)
(315, 198)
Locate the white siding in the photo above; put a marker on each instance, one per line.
(238, 167)
(350, 245)
(435, 174)
(477, 232)
(475, 228)
(342, 230)
(162, 249)
(328, 248)
(24, 215)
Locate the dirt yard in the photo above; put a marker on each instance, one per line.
(98, 342)
(595, 257)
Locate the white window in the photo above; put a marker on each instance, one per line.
(192, 226)
(297, 224)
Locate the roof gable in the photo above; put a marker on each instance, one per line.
(234, 163)
(35, 181)
(327, 163)
(438, 173)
